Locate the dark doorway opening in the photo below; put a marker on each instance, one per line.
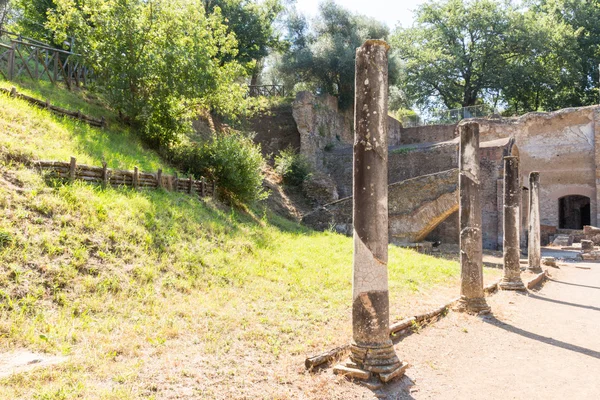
(573, 212)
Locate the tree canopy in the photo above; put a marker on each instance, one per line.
(321, 54)
(462, 53)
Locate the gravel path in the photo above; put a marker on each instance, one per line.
(540, 345)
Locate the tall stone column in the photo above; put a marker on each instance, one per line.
(534, 251)
(372, 351)
(472, 298)
(511, 279)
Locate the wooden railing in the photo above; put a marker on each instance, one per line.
(30, 58)
(266, 90)
(101, 123)
(135, 179)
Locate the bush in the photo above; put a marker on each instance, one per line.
(293, 167)
(232, 160)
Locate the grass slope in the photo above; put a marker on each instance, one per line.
(158, 295)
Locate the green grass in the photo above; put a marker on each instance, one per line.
(32, 133)
(151, 293)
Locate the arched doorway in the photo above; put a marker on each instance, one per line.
(573, 212)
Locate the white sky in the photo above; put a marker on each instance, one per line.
(391, 12)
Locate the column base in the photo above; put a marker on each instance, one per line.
(476, 305)
(514, 284)
(535, 270)
(368, 363)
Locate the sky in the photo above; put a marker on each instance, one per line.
(391, 12)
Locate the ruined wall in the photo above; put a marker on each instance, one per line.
(275, 130)
(404, 162)
(561, 146)
(428, 134)
(416, 207)
(324, 128)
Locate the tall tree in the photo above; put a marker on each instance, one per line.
(582, 16)
(322, 54)
(252, 23)
(461, 51)
(157, 60)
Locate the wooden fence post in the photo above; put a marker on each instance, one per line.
(56, 66)
(103, 122)
(11, 62)
(176, 182)
(72, 168)
(13, 92)
(159, 178)
(104, 174)
(47, 104)
(202, 187)
(190, 183)
(136, 178)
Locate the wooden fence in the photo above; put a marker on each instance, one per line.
(266, 90)
(101, 123)
(136, 179)
(28, 57)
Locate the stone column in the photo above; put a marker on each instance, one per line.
(372, 351)
(534, 251)
(511, 245)
(472, 298)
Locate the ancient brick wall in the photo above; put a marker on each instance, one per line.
(428, 134)
(561, 146)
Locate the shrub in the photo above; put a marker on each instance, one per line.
(232, 160)
(293, 167)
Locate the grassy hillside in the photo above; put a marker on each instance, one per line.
(153, 294)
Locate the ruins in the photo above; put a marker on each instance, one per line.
(372, 351)
(472, 297)
(534, 251)
(559, 145)
(511, 279)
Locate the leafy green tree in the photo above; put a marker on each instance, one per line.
(252, 23)
(582, 16)
(321, 56)
(158, 60)
(4, 12)
(462, 53)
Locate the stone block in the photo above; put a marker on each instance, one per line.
(587, 246)
(562, 241)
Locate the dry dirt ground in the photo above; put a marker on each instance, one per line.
(540, 345)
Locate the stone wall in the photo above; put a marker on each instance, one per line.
(275, 130)
(428, 134)
(404, 162)
(416, 207)
(324, 128)
(561, 146)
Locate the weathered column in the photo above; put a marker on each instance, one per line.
(372, 351)
(511, 279)
(534, 251)
(472, 298)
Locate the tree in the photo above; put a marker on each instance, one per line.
(462, 52)
(158, 60)
(252, 24)
(582, 16)
(4, 12)
(322, 55)
(33, 18)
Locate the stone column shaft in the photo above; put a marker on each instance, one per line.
(372, 350)
(534, 250)
(511, 279)
(471, 246)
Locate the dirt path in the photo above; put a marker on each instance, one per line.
(540, 345)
